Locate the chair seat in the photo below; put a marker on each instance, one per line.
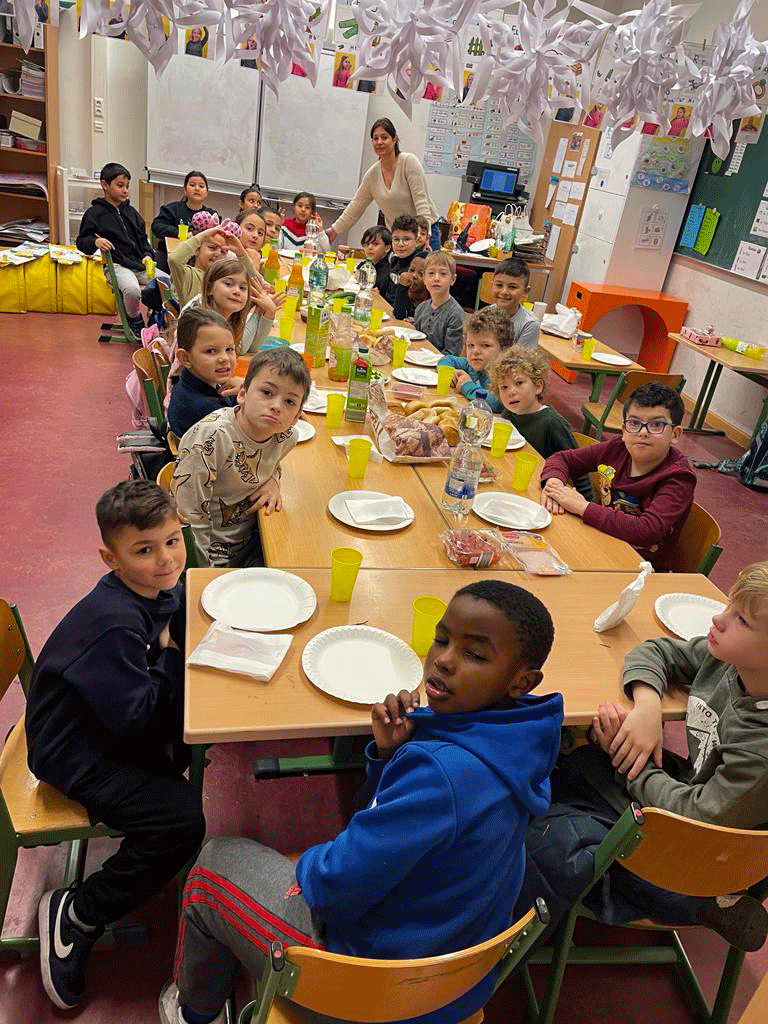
(34, 807)
(284, 1012)
(613, 421)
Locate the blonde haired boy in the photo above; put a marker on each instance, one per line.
(723, 781)
(440, 317)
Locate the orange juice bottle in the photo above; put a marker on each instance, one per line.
(272, 266)
(296, 280)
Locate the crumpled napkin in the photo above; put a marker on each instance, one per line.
(343, 442)
(615, 614)
(257, 655)
(564, 323)
(375, 510)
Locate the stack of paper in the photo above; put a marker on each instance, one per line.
(32, 80)
(23, 230)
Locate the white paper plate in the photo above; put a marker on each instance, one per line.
(298, 346)
(262, 600)
(687, 615)
(338, 509)
(511, 510)
(481, 245)
(610, 359)
(318, 400)
(290, 253)
(303, 430)
(428, 378)
(422, 356)
(360, 664)
(406, 332)
(516, 440)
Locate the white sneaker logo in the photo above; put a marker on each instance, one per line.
(61, 951)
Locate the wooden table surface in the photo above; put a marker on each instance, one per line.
(724, 356)
(565, 352)
(584, 666)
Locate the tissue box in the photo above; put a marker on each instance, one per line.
(700, 337)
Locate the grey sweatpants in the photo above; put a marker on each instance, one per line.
(130, 283)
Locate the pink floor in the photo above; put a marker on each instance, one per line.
(63, 402)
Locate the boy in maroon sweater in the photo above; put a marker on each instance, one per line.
(646, 485)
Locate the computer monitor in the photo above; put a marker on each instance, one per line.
(499, 182)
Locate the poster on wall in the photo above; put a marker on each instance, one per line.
(345, 33)
(663, 164)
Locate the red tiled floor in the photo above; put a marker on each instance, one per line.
(63, 402)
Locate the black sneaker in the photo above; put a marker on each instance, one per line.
(740, 919)
(64, 949)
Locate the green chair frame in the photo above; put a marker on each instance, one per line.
(11, 841)
(111, 331)
(591, 421)
(194, 558)
(625, 836)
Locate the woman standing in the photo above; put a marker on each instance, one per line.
(396, 184)
(166, 223)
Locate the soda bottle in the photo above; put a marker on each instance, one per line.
(272, 265)
(316, 340)
(475, 425)
(357, 393)
(341, 346)
(295, 285)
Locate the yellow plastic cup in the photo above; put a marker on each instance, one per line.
(359, 453)
(337, 304)
(280, 285)
(183, 232)
(502, 431)
(289, 307)
(345, 565)
(588, 350)
(265, 250)
(444, 378)
(285, 328)
(427, 612)
(399, 345)
(330, 258)
(305, 261)
(334, 410)
(525, 463)
(375, 321)
(351, 264)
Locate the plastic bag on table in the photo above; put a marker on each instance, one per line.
(477, 549)
(534, 554)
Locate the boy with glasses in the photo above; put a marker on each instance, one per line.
(646, 485)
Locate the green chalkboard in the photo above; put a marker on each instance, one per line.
(736, 197)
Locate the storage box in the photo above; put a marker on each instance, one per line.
(706, 338)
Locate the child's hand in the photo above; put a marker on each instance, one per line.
(259, 298)
(639, 736)
(267, 497)
(406, 278)
(233, 242)
(551, 505)
(232, 386)
(566, 497)
(330, 232)
(165, 640)
(459, 379)
(391, 726)
(103, 244)
(606, 724)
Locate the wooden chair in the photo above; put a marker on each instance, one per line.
(32, 813)
(677, 854)
(610, 417)
(697, 547)
(585, 441)
(149, 375)
(194, 559)
(173, 443)
(484, 289)
(165, 475)
(757, 1011)
(355, 988)
(111, 331)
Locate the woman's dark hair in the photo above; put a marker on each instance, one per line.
(389, 128)
(195, 174)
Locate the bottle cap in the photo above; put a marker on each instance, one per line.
(481, 394)
(362, 348)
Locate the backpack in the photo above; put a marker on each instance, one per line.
(752, 466)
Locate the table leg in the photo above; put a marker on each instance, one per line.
(760, 419)
(706, 393)
(598, 379)
(341, 759)
(197, 766)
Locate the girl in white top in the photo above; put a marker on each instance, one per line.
(396, 184)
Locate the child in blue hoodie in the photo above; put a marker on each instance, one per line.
(487, 333)
(435, 862)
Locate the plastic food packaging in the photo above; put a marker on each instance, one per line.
(534, 554)
(620, 609)
(478, 549)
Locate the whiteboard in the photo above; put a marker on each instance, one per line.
(202, 114)
(312, 139)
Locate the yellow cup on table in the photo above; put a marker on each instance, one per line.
(345, 565)
(427, 612)
(334, 410)
(502, 431)
(280, 285)
(285, 328)
(351, 264)
(359, 453)
(289, 307)
(588, 349)
(306, 260)
(265, 250)
(330, 258)
(376, 317)
(444, 378)
(399, 347)
(525, 464)
(337, 302)
(183, 232)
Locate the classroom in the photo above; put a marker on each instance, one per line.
(490, 283)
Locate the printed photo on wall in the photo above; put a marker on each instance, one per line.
(343, 67)
(196, 42)
(433, 92)
(252, 44)
(594, 116)
(680, 118)
(749, 128)
(469, 77)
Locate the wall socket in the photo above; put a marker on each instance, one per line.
(98, 114)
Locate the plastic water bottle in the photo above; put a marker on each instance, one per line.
(318, 276)
(366, 275)
(310, 245)
(475, 425)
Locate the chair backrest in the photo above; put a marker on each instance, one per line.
(636, 379)
(146, 368)
(15, 656)
(173, 443)
(194, 558)
(484, 293)
(699, 534)
(165, 475)
(584, 440)
(145, 361)
(112, 277)
(695, 858)
(358, 989)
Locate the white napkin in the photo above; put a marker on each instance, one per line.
(423, 356)
(374, 510)
(564, 323)
(257, 655)
(317, 401)
(615, 614)
(343, 442)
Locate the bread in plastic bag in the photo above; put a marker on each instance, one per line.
(477, 549)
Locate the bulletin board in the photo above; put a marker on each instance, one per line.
(737, 188)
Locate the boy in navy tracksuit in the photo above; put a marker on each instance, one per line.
(435, 862)
(105, 700)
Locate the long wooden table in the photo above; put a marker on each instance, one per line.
(565, 352)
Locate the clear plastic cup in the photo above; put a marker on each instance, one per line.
(525, 464)
(345, 565)
(444, 378)
(334, 411)
(427, 612)
(399, 346)
(502, 431)
(359, 453)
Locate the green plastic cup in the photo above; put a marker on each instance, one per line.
(359, 453)
(375, 321)
(334, 410)
(502, 431)
(399, 346)
(285, 327)
(588, 350)
(345, 565)
(525, 463)
(444, 378)
(427, 612)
